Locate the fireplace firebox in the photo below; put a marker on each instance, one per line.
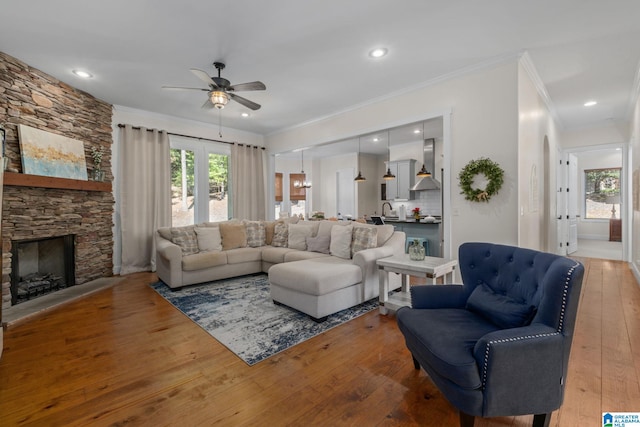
(41, 266)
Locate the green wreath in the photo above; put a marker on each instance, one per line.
(488, 168)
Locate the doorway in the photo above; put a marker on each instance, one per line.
(596, 198)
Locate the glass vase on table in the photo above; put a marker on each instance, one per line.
(416, 251)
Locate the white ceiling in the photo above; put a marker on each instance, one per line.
(312, 54)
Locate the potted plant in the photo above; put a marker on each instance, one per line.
(416, 214)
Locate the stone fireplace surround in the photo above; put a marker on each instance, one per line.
(31, 213)
(33, 98)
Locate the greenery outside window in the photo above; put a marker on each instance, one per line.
(199, 182)
(602, 193)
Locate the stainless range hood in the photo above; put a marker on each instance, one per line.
(428, 182)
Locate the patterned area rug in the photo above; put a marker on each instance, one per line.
(241, 315)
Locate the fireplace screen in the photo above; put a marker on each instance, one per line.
(39, 267)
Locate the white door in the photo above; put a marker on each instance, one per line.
(345, 192)
(573, 207)
(561, 204)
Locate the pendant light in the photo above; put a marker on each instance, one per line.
(359, 178)
(423, 173)
(388, 176)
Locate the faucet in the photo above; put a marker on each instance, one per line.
(390, 207)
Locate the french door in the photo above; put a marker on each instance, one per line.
(199, 181)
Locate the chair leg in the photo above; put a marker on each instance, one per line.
(416, 364)
(541, 420)
(466, 420)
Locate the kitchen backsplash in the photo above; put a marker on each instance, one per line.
(429, 203)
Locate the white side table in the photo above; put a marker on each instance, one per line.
(431, 268)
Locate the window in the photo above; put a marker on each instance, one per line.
(602, 193)
(199, 181)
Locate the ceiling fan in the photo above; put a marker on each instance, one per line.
(221, 90)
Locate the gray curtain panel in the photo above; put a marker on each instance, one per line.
(248, 182)
(144, 194)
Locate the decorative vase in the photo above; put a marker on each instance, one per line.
(416, 251)
(98, 175)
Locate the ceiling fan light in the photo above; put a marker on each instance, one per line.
(219, 99)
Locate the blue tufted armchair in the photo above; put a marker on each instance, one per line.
(499, 344)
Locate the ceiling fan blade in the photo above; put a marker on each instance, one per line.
(248, 86)
(244, 101)
(202, 75)
(184, 88)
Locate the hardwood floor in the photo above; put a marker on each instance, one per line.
(124, 356)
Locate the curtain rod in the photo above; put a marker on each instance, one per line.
(120, 125)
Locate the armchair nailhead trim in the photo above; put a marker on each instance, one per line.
(485, 366)
(565, 291)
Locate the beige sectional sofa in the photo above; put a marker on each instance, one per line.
(319, 270)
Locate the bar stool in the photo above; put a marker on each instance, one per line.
(422, 240)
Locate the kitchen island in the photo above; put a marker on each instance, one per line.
(429, 231)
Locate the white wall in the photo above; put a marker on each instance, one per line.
(368, 192)
(634, 142)
(484, 123)
(607, 134)
(535, 124)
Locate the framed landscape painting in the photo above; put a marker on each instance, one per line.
(49, 154)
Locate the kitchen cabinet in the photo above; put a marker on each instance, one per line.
(405, 172)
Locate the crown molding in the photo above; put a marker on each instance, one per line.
(635, 94)
(530, 68)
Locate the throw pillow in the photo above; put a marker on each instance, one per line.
(185, 237)
(340, 245)
(209, 238)
(256, 234)
(269, 229)
(234, 235)
(298, 234)
(363, 238)
(280, 235)
(319, 244)
(502, 310)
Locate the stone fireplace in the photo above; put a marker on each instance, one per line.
(41, 266)
(37, 208)
(32, 213)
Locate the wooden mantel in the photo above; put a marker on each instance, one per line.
(25, 180)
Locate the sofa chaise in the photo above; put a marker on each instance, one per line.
(317, 267)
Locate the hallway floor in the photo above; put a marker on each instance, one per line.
(599, 249)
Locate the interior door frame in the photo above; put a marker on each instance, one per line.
(626, 191)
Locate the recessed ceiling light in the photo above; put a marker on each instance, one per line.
(375, 140)
(590, 103)
(83, 74)
(378, 52)
(417, 131)
(245, 114)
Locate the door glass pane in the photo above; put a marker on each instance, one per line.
(182, 187)
(602, 193)
(218, 180)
